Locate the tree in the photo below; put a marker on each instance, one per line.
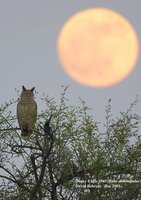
(80, 162)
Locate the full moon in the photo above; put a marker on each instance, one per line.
(98, 47)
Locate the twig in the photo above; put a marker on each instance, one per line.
(14, 179)
(9, 129)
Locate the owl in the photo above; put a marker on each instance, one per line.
(26, 112)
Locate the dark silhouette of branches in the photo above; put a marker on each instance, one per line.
(39, 179)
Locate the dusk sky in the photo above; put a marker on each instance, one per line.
(28, 55)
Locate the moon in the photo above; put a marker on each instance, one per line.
(98, 47)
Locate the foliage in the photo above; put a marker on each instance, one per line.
(82, 162)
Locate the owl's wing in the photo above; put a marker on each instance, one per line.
(20, 111)
(34, 110)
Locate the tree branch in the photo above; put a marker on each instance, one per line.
(41, 177)
(14, 180)
(9, 129)
(34, 167)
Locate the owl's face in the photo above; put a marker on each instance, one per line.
(27, 93)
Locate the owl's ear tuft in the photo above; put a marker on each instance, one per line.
(24, 89)
(32, 89)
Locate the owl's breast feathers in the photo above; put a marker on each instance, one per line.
(27, 114)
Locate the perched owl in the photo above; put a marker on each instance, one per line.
(26, 112)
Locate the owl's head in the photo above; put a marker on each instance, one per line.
(27, 93)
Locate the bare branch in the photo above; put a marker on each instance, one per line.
(9, 129)
(14, 180)
(41, 177)
(34, 167)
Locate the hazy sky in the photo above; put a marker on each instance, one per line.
(28, 56)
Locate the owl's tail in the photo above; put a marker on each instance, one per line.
(26, 132)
